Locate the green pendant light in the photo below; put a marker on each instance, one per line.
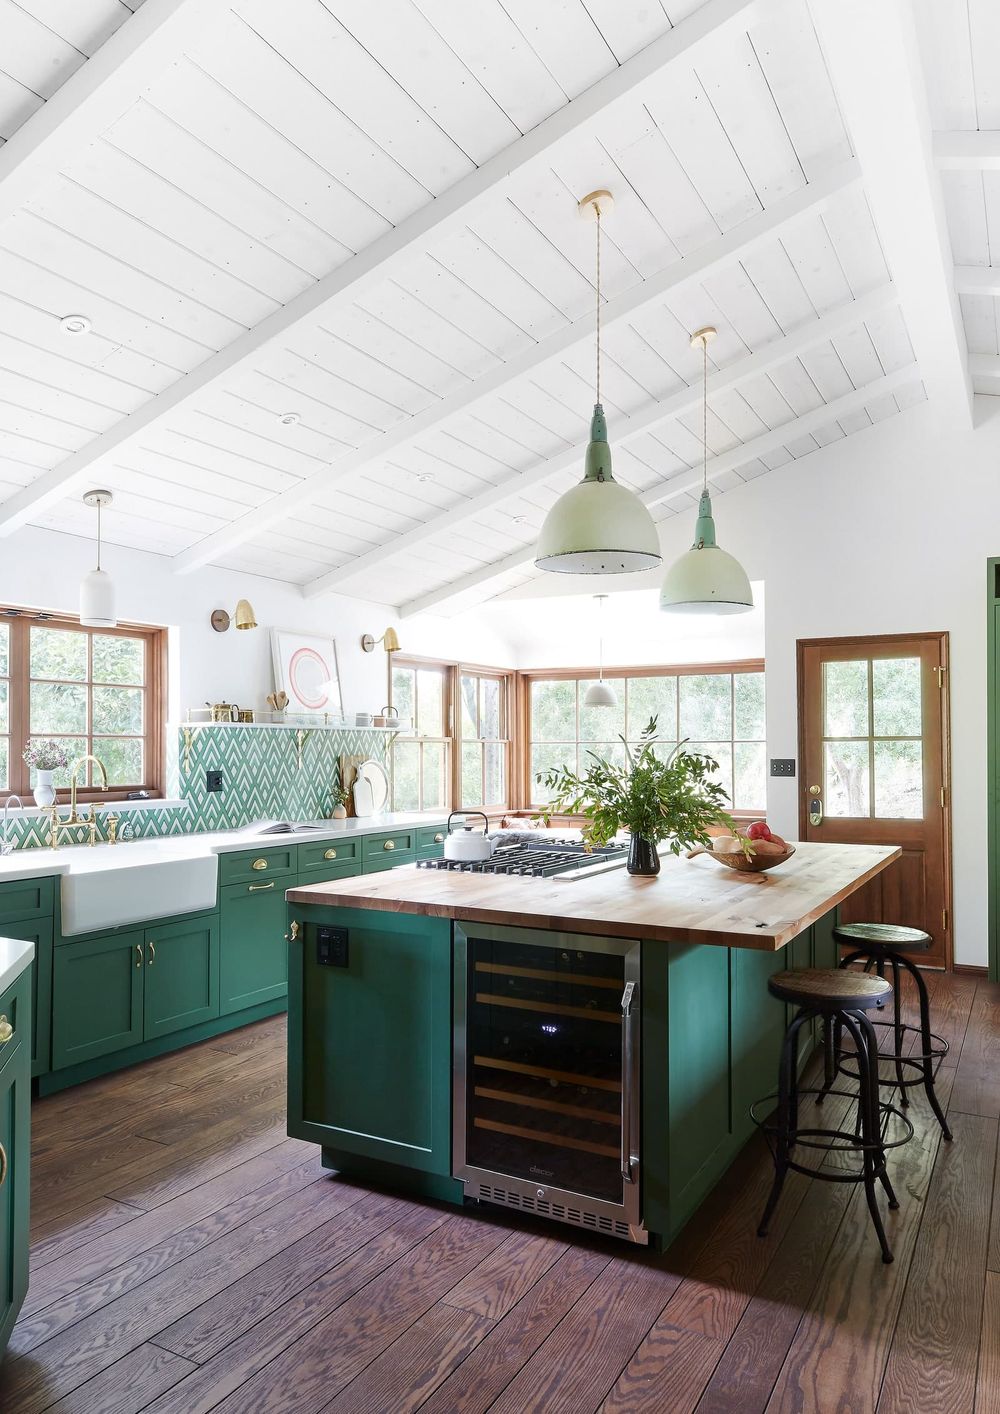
(600, 526)
(705, 580)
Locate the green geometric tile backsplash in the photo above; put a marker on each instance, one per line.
(260, 774)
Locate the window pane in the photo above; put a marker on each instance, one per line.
(496, 774)
(122, 761)
(601, 723)
(899, 780)
(435, 757)
(430, 702)
(468, 690)
(652, 697)
(4, 706)
(896, 697)
(5, 763)
(402, 691)
(4, 650)
(472, 773)
(722, 752)
(406, 775)
(553, 710)
(118, 711)
(57, 708)
(543, 758)
(489, 699)
(74, 747)
(845, 699)
(749, 776)
(847, 790)
(118, 659)
(706, 706)
(748, 701)
(612, 751)
(58, 653)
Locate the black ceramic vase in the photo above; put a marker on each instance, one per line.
(642, 856)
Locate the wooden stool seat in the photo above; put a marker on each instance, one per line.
(829, 988)
(882, 935)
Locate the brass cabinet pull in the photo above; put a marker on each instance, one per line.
(389, 844)
(138, 954)
(258, 888)
(3, 1165)
(439, 839)
(152, 952)
(292, 935)
(6, 1031)
(259, 864)
(330, 854)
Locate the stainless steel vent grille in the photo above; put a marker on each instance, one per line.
(580, 1217)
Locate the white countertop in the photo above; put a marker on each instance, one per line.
(15, 956)
(78, 859)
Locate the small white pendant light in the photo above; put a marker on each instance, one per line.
(600, 526)
(705, 580)
(600, 693)
(97, 590)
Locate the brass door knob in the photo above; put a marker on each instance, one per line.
(330, 854)
(6, 1031)
(439, 839)
(389, 844)
(259, 864)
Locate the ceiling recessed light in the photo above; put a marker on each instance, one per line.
(519, 520)
(424, 475)
(289, 419)
(75, 324)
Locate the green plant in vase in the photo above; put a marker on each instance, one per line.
(339, 798)
(654, 798)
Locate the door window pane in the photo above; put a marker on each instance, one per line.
(706, 706)
(845, 699)
(652, 697)
(896, 697)
(58, 653)
(899, 780)
(847, 789)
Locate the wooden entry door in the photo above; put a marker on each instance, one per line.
(873, 749)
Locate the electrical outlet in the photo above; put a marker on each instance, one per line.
(213, 780)
(782, 766)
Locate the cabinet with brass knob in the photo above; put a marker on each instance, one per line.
(252, 961)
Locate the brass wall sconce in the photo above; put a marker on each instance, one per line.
(389, 640)
(243, 617)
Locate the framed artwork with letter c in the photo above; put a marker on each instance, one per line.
(305, 666)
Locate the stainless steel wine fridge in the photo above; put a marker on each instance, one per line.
(546, 1075)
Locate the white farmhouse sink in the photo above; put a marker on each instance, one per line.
(132, 883)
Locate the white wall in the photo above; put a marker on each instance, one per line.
(885, 532)
(41, 569)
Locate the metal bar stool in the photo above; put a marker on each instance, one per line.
(844, 998)
(878, 944)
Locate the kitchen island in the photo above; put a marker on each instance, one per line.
(584, 1047)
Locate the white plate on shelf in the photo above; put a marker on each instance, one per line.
(374, 783)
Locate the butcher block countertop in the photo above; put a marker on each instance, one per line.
(691, 901)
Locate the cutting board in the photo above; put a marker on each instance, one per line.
(348, 772)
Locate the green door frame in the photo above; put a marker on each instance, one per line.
(993, 758)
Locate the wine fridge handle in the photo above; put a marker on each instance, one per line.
(628, 1067)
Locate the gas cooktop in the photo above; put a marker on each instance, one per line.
(531, 856)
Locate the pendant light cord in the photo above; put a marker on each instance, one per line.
(98, 535)
(597, 208)
(704, 413)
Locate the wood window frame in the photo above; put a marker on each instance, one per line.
(155, 686)
(521, 766)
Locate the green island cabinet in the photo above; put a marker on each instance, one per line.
(15, 1139)
(370, 1051)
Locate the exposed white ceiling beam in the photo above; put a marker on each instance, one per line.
(685, 400)
(967, 152)
(692, 270)
(98, 93)
(873, 57)
(984, 365)
(682, 45)
(686, 481)
(977, 280)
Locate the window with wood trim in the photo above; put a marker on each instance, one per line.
(718, 710)
(484, 743)
(95, 691)
(421, 763)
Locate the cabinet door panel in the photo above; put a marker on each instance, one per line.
(97, 991)
(254, 962)
(182, 976)
(15, 1138)
(40, 934)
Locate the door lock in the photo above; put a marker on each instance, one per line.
(815, 812)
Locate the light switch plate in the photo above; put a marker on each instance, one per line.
(782, 766)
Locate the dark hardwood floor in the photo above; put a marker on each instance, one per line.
(188, 1257)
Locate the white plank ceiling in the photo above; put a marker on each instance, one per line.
(443, 394)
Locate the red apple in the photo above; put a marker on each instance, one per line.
(759, 831)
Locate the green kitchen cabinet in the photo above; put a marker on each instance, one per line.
(24, 899)
(40, 934)
(369, 1041)
(253, 961)
(15, 1141)
(389, 851)
(181, 987)
(97, 997)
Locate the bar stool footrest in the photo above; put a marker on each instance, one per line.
(831, 1141)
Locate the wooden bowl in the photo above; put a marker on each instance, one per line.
(756, 865)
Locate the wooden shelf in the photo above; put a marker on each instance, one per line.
(308, 724)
